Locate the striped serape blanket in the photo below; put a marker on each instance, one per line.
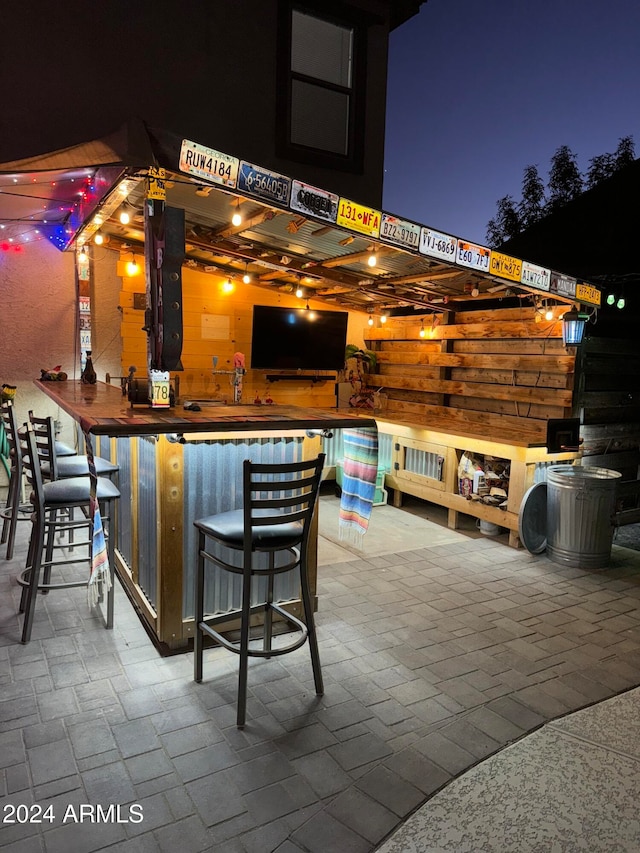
(358, 481)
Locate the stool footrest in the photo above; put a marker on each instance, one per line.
(257, 653)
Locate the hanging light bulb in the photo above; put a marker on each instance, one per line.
(548, 314)
(611, 299)
(98, 239)
(423, 331)
(132, 266)
(246, 278)
(83, 257)
(383, 317)
(371, 260)
(370, 320)
(621, 302)
(228, 286)
(300, 294)
(125, 219)
(236, 219)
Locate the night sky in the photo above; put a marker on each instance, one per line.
(479, 89)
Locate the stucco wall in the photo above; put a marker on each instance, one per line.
(37, 288)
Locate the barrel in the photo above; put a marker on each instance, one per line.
(580, 508)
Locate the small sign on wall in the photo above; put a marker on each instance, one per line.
(216, 327)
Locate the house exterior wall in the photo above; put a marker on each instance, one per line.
(206, 71)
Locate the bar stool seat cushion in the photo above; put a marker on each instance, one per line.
(228, 528)
(63, 449)
(76, 490)
(77, 466)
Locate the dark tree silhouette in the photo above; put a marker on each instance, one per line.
(600, 168)
(505, 224)
(532, 206)
(565, 183)
(565, 180)
(625, 152)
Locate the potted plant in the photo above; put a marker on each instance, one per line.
(366, 359)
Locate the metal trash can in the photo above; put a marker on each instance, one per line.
(580, 508)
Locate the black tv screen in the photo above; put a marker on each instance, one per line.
(297, 338)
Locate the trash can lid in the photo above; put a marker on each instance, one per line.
(532, 520)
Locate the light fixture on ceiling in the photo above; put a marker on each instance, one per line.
(236, 219)
(132, 266)
(228, 286)
(548, 314)
(621, 302)
(83, 257)
(370, 320)
(383, 317)
(423, 331)
(98, 238)
(246, 278)
(300, 293)
(125, 216)
(372, 260)
(611, 299)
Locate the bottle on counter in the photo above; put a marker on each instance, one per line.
(88, 375)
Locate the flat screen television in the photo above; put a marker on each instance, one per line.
(297, 338)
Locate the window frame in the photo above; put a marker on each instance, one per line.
(334, 12)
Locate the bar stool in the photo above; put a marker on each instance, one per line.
(48, 501)
(278, 506)
(13, 511)
(56, 467)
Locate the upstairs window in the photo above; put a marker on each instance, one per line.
(321, 83)
(322, 88)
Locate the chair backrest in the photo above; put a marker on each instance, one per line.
(44, 437)
(10, 424)
(283, 493)
(29, 451)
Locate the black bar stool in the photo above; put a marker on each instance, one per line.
(49, 500)
(278, 505)
(14, 511)
(56, 467)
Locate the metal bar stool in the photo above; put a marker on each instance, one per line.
(14, 511)
(57, 467)
(49, 500)
(278, 506)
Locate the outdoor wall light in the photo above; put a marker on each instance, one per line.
(132, 266)
(573, 324)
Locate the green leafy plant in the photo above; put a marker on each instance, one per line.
(367, 357)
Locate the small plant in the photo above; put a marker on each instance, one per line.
(367, 358)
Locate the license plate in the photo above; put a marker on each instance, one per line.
(563, 285)
(357, 217)
(399, 231)
(313, 202)
(505, 266)
(207, 163)
(588, 293)
(438, 245)
(535, 276)
(263, 183)
(474, 256)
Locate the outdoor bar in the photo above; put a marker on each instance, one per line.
(176, 466)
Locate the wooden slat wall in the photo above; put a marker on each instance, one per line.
(486, 371)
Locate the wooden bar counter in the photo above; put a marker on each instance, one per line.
(177, 466)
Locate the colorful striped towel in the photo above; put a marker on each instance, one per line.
(99, 575)
(358, 481)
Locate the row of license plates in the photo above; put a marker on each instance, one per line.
(230, 172)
